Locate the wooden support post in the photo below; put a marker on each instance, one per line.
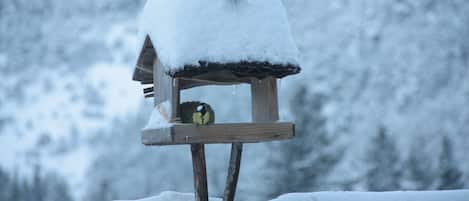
(233, 171)
(175, 100)
(264, 100)
(200, 172)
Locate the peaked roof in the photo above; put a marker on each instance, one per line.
(192, 37)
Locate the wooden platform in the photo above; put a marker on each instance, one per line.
(218, 133)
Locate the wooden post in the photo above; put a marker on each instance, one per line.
(264, 100)
(264, 109)
(233, 171)
(200, 172)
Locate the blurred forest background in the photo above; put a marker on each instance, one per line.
(381, 104)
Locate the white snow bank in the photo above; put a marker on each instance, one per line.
(185, 32)
(160, 116)
(455, 195)
(174, 196)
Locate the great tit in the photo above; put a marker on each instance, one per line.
(197, 113)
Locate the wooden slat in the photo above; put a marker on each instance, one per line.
(264, 100)
(161, 83)
(218, 133)
(187, 83)
(148, 90)
(166, 88)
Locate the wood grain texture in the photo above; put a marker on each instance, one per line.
(233, 172)
(200, 172)
(161, 84)
(218, 133)
(264, 100)
(166, 88)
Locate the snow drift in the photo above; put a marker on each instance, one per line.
(454, 195)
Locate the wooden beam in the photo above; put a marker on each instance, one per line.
(218, 133)
(233, 172)
(175, 100)
(200, 172)
(264, 100)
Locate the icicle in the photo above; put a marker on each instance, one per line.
(279, 83)
(174, 82)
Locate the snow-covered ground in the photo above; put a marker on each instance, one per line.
(455, 195)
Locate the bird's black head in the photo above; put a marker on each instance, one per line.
(202, 108)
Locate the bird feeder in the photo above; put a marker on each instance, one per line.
(188, 44)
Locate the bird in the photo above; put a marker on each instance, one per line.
(197, 113)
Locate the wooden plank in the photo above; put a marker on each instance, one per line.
(166, 88)
(187, 83)
(159, 135)
(233, 172)
(161, 83)
(200, 172)
(264, 100)
(218, 133)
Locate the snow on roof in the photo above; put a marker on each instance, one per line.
(222, 31)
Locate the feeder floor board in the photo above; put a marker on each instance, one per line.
(218, 133)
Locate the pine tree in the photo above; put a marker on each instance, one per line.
(385, 171)
(450, 175)
(305, 161)
(418, 170)
(15, 192)
(4, 185)
(38, 186)
(57, 188)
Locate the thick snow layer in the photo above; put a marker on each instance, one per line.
(160, 116)
(185, 32)
(456, 195)
(174, 196)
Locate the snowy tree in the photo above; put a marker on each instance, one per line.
(303, 163)
(49, 188)
(418, 169)
(38, 190)
(383, 159)
(4, 188)
(57, 189)
(450, 175)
